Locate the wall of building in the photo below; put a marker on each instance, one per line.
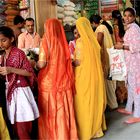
(44, 9)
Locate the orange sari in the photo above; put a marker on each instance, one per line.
(56, 82)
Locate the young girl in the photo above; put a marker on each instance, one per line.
(118, 26)
(72, 44)
(21, 106)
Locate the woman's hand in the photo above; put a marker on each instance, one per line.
(32, 62)
(76, 63)
(8, 70)
(40, 64)
(119, 45)
(5, 70)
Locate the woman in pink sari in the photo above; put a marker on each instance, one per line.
(56, 85)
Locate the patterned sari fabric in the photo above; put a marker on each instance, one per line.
(90, 97)
(56, 86)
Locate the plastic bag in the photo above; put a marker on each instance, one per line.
(117, 64)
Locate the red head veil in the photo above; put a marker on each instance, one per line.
(57, 55)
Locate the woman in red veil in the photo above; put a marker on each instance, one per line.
(56, 85)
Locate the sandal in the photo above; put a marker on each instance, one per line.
(132, 120)
(123, 111)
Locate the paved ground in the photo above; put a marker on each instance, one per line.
(117, 130)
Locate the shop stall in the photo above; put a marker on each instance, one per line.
(39, 10)
(67, 11)
(2, 12)
(10, 8)
(107, 6)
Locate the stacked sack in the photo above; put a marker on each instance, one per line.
(60, 12)
(11, 11)
(69, 13)
(24, 4)
(2, 14)
(25, 10)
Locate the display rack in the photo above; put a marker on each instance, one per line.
(2, 12)
(11, 11)
(107, 6)
(24, 7)
(88, 7)
(91, 7)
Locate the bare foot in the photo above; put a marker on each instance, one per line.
(123, 111)
(132, 120)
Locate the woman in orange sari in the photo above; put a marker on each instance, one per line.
(56, 83)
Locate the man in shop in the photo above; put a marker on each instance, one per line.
(18, 25)
(29, 39)
(29, 42)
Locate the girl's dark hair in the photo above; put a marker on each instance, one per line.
(117, 15)
(8, 32)
(133, 12)
(18, 19)
(73, 28)
(97, 18)
(108, 27)
(29, 19)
